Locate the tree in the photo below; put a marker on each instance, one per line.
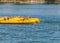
(50, 1)
(23, 0)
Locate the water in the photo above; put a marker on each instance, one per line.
(48, 31)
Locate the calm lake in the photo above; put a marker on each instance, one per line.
(48, 31)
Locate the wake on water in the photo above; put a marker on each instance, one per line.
(50, 21)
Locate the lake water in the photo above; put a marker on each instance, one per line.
(48, 31)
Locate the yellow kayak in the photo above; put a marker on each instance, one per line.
(17, 20)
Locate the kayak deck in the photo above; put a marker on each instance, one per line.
(17, 20)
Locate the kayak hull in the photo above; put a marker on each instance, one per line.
(20, 21)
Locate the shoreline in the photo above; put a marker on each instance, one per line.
(30, 3)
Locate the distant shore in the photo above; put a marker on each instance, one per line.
(30, 1)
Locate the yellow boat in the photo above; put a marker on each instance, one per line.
(17, 20)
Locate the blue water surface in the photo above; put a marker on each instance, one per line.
(48, 31)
